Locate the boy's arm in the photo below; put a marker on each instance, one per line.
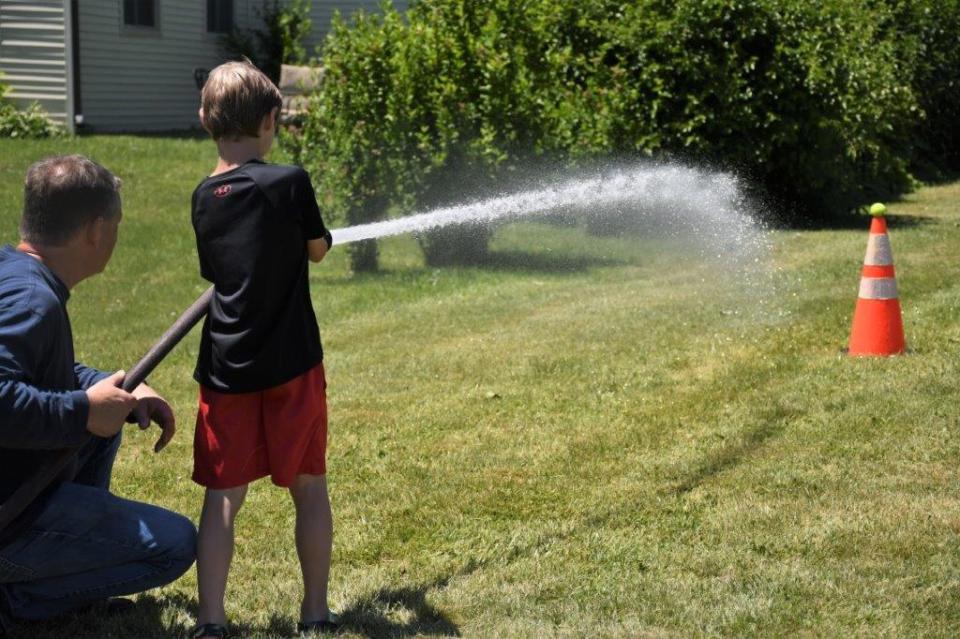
(205, 271)
(317, 249)
(319, 239)
(31, 418)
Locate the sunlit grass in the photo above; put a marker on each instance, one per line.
(587, 437)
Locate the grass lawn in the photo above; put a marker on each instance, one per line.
(597, 439)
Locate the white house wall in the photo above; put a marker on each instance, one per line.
(131, 79)
(33, 55)
(141, 79)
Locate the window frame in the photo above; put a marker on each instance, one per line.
(233, 19)
(140, 29)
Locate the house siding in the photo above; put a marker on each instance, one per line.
(141, 79)
(131, 79)
(33, 54)
(322, 12)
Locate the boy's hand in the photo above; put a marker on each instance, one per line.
(150, 406)
(109, 406)
(317, 249)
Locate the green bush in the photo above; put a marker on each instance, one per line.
(928, 37)
(32, 122)
(420, 113)
(803, 97)
(814, 101)
(806, 98)
(346, 141)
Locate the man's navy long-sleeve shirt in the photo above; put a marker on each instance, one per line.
(43, 406)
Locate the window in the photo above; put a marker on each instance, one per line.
(140, 13)
(219, 16)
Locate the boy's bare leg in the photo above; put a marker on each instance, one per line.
(314, 534)
(215, 550)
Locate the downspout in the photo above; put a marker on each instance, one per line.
(71, 49)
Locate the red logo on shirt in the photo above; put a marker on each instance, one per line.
(223, 191)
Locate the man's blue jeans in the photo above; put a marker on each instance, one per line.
(89, 545)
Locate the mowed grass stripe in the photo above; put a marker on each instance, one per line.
(587, 437)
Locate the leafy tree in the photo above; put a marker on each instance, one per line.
(278, 38)
(817, 102)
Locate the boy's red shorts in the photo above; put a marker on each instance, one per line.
(281, 432)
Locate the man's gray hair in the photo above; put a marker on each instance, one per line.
(62, 194)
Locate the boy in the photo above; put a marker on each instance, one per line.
(260, 368)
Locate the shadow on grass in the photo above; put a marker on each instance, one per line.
(387, 612)
(145, 620)
(852, 221)
(727, 457)
(517, 261)
(150, 619)
(545, 262)
(195, 133)
(399, 612)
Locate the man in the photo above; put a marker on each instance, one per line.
(77, 545)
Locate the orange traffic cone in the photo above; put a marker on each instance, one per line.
(877, 321)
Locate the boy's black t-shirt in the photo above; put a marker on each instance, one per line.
(252, 225)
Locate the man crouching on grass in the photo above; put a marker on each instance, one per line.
(77, 545)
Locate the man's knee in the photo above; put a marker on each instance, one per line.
(176, 538)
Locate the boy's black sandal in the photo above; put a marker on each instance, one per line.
(210, 630)
(330, 625)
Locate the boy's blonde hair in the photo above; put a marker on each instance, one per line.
(236, 98)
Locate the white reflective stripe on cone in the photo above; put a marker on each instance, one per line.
(878, 288)
(879, 252)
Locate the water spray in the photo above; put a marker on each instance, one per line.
(683, 199)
